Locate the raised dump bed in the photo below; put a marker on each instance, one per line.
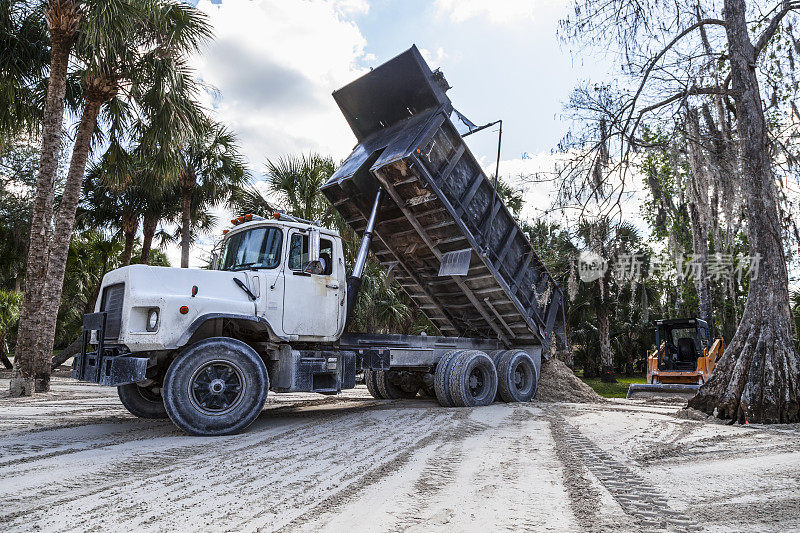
(439, 205)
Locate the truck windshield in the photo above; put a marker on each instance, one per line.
(255, 248)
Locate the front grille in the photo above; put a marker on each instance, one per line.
(111, 303)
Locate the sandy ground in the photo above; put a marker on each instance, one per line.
(76, 460)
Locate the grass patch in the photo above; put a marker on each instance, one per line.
(613, 390)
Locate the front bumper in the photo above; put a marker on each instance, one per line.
(104, 365)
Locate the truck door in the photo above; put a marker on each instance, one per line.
(311, 301)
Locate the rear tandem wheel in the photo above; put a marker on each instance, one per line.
(516, 374)
(473, 379)
(372, 384)
(393, 385)
(441, 378)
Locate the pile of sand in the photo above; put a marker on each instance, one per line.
(559, 384)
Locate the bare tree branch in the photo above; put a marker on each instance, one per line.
(658, 57)
(770, 30)
(683, 94)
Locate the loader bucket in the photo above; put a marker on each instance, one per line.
(641, 389)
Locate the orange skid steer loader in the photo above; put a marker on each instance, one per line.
(684, 360)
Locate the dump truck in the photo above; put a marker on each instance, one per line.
(204, 347)
(684, 359)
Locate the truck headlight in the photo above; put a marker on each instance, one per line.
(152, 319)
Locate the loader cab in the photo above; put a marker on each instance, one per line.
(684, 340)
(295, 270)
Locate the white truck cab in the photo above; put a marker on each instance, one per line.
(274, 297)
(273, 258)
(159, 308)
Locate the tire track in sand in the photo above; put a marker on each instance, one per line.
(637, 498)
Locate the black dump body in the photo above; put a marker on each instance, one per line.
(438, 201)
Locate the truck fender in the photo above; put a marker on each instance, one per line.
(202, 319)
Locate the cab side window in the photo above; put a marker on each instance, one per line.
(326, 256)
(298, 253)
(704, 336)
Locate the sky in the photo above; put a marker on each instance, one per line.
(273, 65)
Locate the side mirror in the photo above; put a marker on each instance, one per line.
(314, 265)
(313, 244)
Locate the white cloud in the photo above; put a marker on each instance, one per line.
(353, 7)
(434, 59)
(504, 12)
(520, 174)
(275, 64)
(533, 177)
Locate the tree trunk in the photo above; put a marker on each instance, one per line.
(629, 363)
(96, 293)
(61, 357)
(699, 217)
(591, 368)
(149, 226)
(130, 225)
(757, 379)
(127, 251)
(606, 357)
(568, 357)
(3, 357)
(59, 247)
(604, 331)
(186, 225)
(31, 316)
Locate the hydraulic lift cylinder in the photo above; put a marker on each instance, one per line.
(354, 281)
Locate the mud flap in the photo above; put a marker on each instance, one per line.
(373, 359)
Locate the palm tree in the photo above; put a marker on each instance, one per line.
(159, 203)
(119, 44)
(18, 170)
(63, 18)
(10, 302)
(23, 65)
(251, 200)
(108, 203)
(609, 240)
(211, 168)
(795, 299)
(295, 181)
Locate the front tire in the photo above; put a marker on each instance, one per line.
(217, 386)
(142, 402)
